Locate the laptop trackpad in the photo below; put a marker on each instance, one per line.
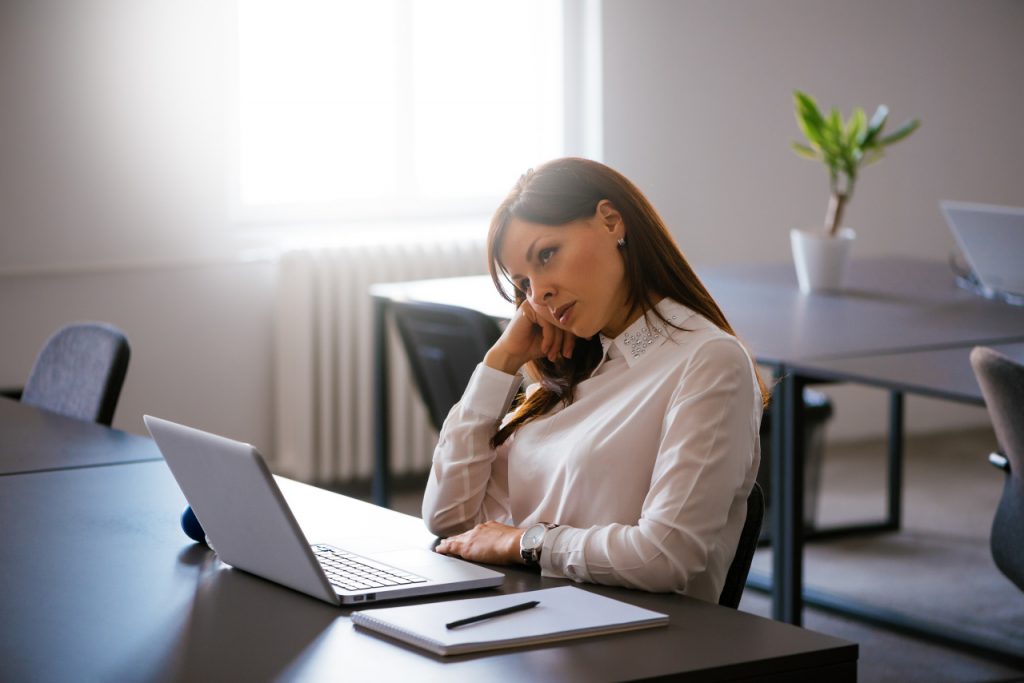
(430, 564)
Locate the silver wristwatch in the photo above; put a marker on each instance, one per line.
(532, 541)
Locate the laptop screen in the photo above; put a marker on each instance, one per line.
(992, 240)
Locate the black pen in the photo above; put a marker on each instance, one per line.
(495, 613)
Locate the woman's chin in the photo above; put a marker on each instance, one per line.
(581, 331)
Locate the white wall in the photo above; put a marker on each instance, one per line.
(113, 131)
(200, 334)
(698, 111)
(114, 135)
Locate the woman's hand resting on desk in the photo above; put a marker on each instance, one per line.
(490, 542)
(530, 334)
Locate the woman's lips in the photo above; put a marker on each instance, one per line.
(564, 313)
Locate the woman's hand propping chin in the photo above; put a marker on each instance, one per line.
(529, 335)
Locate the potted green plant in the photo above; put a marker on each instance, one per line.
(843, 146)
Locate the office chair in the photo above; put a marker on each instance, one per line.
(79, 372)
(1002, 384)
(736, 579)
(818, 411)
(444, 345)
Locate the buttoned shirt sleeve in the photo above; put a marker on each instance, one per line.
(705, 461)
(468, 481)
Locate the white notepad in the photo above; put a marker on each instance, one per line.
(563, 613)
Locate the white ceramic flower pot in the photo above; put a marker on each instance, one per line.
(820, 260)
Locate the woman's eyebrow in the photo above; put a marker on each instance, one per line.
(529, 250)
(529, 256)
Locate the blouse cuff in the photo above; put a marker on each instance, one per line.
(490, 392)
(562, 554)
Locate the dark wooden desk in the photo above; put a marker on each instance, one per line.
(35, 440)
(99, 583)
(891, 305)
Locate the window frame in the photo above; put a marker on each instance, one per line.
(581, 136)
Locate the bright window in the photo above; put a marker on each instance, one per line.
(394, 109)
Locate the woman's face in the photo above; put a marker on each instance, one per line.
(572, 275)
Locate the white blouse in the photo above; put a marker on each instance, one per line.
(647, 472)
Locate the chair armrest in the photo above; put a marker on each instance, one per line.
(999, 460)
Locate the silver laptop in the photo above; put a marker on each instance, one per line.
(992, 240)
(249, 524)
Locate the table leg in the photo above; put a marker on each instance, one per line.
(895, 460)
(382, 447)
(788, 497)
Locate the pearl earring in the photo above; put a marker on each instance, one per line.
(622, 243)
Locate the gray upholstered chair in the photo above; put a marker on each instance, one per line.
(443, 345)
(1002, 384)
(736, 579)
(79, 372)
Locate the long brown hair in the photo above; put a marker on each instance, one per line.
(569, 189)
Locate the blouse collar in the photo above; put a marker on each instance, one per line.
(646, 333)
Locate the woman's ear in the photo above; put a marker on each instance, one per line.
(610, 218)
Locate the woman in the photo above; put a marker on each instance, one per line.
(630, 460)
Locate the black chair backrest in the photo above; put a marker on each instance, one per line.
(736, 579)
(79, 372)
(1002, 384)
(444, 345)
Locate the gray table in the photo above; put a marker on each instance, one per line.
(890, 305)
(35, 440)
(99, 583)
(938, 373)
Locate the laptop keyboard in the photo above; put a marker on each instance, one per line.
(353, 573)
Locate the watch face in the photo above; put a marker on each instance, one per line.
(534, 536)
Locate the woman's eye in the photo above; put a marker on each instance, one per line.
(544, 255)
(524, 285)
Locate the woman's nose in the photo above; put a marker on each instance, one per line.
(540, 293)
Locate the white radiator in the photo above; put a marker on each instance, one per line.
(323, 358)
